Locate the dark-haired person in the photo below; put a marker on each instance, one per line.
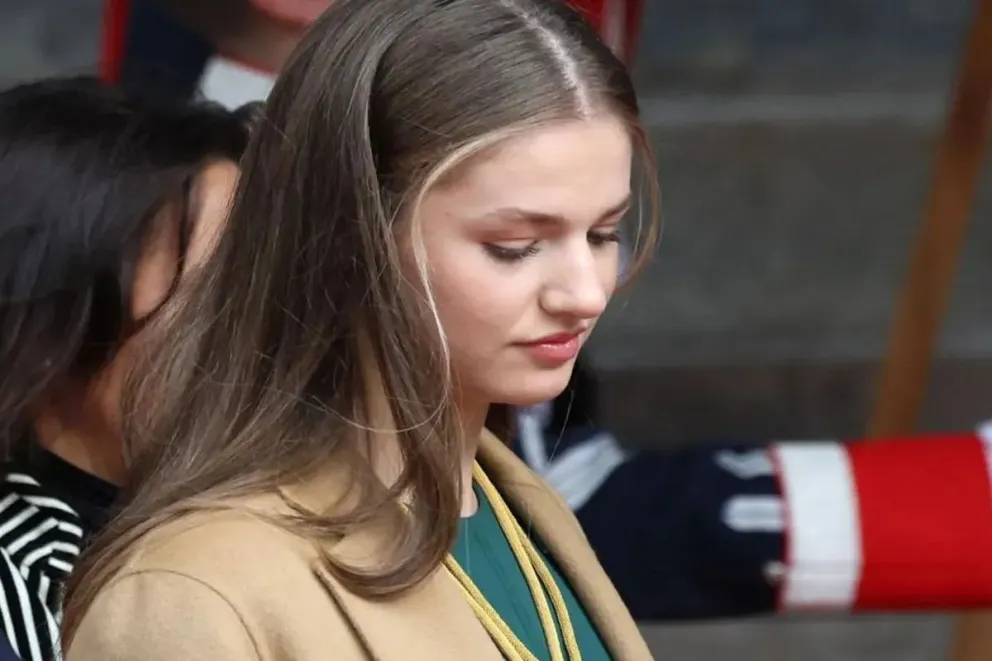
(102, 195)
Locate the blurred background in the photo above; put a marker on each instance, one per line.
(795, 142)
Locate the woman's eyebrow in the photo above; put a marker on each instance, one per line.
(543, 218)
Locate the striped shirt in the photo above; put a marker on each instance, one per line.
(47, 509)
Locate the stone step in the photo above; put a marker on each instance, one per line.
(759, 402)
(905, 638)
(788, 244)
(796, 45)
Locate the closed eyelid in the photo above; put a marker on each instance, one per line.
(514, 243)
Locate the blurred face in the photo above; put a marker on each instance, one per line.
(158, 267)
(522, 252)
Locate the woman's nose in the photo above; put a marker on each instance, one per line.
(578, 288)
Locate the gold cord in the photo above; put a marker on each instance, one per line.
(539, 579)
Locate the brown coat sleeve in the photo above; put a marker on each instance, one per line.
(161, 616)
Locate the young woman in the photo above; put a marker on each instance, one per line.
(104, 197)
(424, 230)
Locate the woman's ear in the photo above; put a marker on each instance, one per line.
(159, 263)
(213, 193)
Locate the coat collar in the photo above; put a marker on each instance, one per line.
(437, 613)
(541, 511)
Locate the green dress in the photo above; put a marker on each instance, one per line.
(484, 553)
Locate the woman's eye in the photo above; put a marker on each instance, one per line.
(510, 253)
(603, 237)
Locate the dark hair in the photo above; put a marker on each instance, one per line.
(84, 170)
(328, 340)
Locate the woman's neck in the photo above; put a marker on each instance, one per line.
(92, 452)
(473, 421)
(385, 457)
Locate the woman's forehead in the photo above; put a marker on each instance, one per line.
(575, 171)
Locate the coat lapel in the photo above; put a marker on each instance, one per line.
(548, 519)
(434, 622)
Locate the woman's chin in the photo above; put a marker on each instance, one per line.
(533, 390)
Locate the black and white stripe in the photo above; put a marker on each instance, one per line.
(40, 540)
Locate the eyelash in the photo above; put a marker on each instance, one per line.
(510, 255)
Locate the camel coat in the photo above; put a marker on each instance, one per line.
(229, 586)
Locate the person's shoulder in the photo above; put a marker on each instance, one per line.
(221, 584)
(41, 532)
(17, 479)
(27, 482)
(194, 588)
(225, 545)
(162, 613)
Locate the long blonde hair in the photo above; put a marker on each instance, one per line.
(261, 375)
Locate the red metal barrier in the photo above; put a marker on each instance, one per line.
(617, 21)
(113, 38)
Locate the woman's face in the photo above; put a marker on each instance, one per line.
(160, 262)
(522, 252)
